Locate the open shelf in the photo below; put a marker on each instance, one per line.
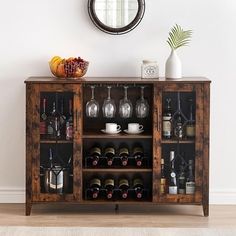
(166, 141)
(95, 170)
(56, 141)
(93, 135)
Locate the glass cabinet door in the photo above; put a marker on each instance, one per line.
(178, 144)
(56, 170)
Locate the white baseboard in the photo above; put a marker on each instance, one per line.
(12, 195)
(219, 196)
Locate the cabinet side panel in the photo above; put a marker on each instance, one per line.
(157, 110)
(206, 92)
(35, 136)
(77, 185)
(32, 141)
(199, 143)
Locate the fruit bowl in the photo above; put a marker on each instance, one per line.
(72, 67)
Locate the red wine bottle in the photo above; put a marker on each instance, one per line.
(124, 155)
(95, 186)
(109, 155)
(95, 153)
(109, 186)
(138, 155)
(124, 187)
(138, 187)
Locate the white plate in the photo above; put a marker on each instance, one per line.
(136, 132)
(107, 132)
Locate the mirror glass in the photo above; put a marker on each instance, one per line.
(116, 16)
(116, 13)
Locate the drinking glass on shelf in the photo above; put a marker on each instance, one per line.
(142, 107)
(109, 106)
(92, 106)
(125, 107)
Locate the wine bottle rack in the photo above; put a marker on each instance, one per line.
(86, 132)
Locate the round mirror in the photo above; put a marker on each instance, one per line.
(116, 16)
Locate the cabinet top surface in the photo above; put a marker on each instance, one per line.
(116, 80)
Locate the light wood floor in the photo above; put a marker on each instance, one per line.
(221, 216)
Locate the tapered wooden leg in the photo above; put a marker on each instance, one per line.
(28, 207)
(205, 209)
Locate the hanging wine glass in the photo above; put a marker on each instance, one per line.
(142, 107)
(109, 106)
(92, 106)
(125, 107)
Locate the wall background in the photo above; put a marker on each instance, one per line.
(33, 31)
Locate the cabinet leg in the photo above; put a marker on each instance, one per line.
(116, 208)
(28, 207)
(205, 209)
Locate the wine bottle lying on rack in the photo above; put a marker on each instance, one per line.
(95, 153)
(109, 155)
(124, 187)
(124, 156)
(95, 186)
(109, 185)
(138, 187)
(138, 155)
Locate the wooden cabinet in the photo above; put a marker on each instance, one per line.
(73, 152)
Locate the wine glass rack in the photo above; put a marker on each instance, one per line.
(70, 134)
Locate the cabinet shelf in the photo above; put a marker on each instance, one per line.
(128, 170)
(56, 141)
(170, 141)
(92, 135)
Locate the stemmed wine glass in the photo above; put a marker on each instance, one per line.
(109, 106)
(92, 106)
(142, 107)
(125, 107)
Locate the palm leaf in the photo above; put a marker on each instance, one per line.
(179, 37)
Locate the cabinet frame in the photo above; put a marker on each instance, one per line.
(36, 85)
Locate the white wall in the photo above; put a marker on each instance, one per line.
(34, 31)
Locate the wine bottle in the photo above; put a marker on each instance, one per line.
(138, 155)
(124, 155)
(179, 129)
(138, 187)
(166, 120)
(109, 186)
(179, 122)
(43, 120)
(95, 153)
(95, 186)
(163, 177)
(182, 179)
(190, 127)
(62, 117)
(173, 183)
(53, 127)
(109, 154)
(124, 187)
(190, 181)
(69, 123)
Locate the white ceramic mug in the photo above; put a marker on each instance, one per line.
(134, 127)
(112, 127)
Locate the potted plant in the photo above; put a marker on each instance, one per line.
(177, 38)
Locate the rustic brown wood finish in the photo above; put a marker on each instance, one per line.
(84, 132)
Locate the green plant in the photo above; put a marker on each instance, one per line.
(178, 37)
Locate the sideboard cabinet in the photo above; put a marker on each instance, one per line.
(165, 168)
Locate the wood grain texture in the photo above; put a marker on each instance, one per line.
(36, 85)
(206, 128)
(157, 114)
(115, 80)
(199, 143)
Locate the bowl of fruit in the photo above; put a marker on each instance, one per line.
(73, 67)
